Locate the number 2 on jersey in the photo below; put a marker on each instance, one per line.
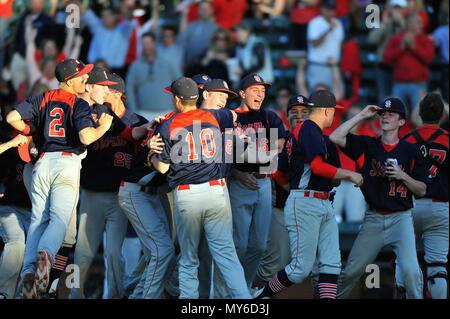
(439, 156)
(55, 129)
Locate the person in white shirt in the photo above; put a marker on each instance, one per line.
(325, 37)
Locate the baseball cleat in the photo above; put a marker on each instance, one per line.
(29, 287)
(43, 265)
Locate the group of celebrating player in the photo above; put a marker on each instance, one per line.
(203, 221)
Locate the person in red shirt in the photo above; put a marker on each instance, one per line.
(410, 54)
(302, 12)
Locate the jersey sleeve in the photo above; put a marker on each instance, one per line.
(29, 109)
(311, 142)
(355, 146)
(419, 169)
(332, 153)
(163, 131)
(276, 122)
(82, 116)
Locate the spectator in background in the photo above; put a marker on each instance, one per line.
(392, 23)
(418, 7)
(282, 96)
(253, 54)
(196, 37)
(214, 63)
(302, 12)
(410, 54)
(229, 13)
(146, 79)
(271, 8)
(169, 47)
(43, 23)
(325, 36)
(440, 38)
(110, 39)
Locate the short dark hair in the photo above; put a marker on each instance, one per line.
(431, 108)
(170, 27)
(149, 34)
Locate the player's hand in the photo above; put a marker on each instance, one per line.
(394, 172)
(356, 179)
(369, 111)
(1, 195)
(105, 120)
(157, 120)
(156, 144)
(19, 140)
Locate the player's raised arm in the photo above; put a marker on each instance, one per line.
(89, 135)
(339, 136)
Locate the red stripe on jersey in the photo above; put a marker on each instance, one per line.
(360, 162)
(296, 130)
(388, 147)
(239, 111)
(281, 178)
(58, 96)
(426, 131)
(127, 134)
(412, 166)
(184, 120)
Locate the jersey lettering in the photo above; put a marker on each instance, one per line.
(439, 156)
(207, 141)
(55, 129)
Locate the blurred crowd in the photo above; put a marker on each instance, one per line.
(151, 43)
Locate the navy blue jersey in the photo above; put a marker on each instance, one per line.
(371, 154)
(109, 158)
(435, 152)
(11, 176)
(193, 145)
(59, 117)
(258, 124)
(305, 143)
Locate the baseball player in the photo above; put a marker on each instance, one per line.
(65, 125)
(393, 172)
(309, 215)
(430, 213)
(107, 161)
(15, 212)
(201, 79)
(250, 190)
(278, 255)
(192, 146)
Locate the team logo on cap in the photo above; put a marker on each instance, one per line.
(205, 77)
(387, 104)
(300, 99)
(225, 85)
(257, 78)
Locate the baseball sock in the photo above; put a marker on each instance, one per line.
(277, 284)
(59, 265)
(327, 286)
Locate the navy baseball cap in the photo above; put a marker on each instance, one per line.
(323, 98)
(252, 79)
(185, 88)
(119, 85)
(297, 100)
(201, 79)
(219, 85)
(393, 104)
(99, 76)
(71, 68)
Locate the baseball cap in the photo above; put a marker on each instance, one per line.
(201, 79)
(393, 104)
(119, 85)
(330, 4)
(323, 98)
(98, 76)
(219, 85)
(297, 100)
(71, 68)
(28, 152)
(185, 88)
(398, 3)
(252, 79)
